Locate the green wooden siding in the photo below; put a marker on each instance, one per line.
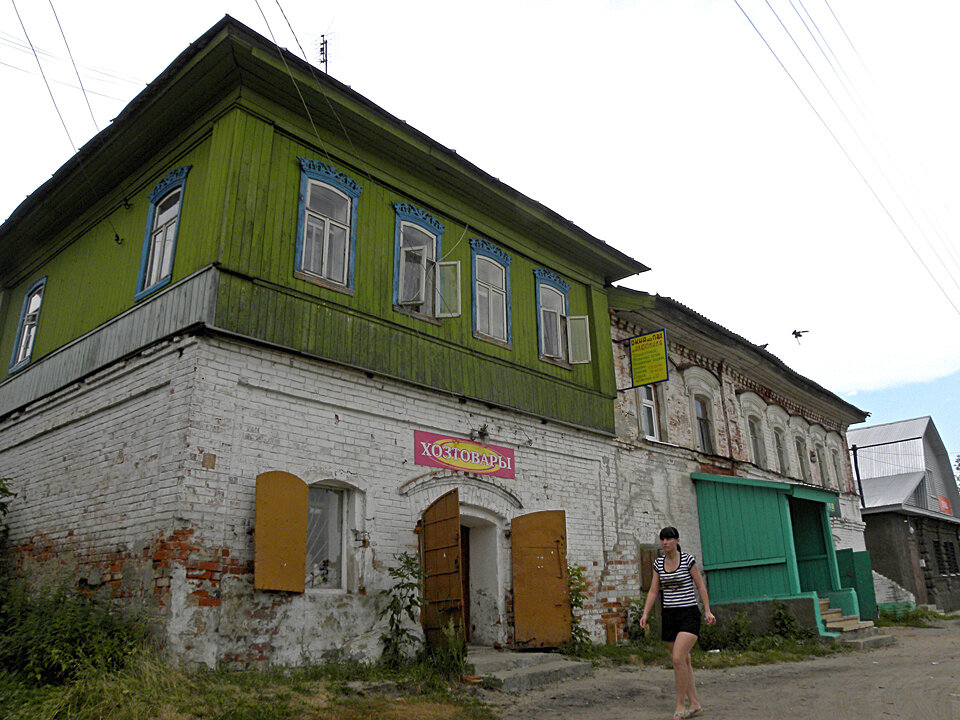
(240, 214)
(856, 572)
(361, 327)
(93, 278)
(765, 539)
(745, 550)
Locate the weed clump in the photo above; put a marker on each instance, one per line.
(52, 636)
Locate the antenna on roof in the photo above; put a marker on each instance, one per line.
(321, 49)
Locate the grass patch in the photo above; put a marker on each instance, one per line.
(917, 617)
(150, 687)
(729, 644)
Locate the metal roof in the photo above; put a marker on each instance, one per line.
(891, 489)
(888, 432)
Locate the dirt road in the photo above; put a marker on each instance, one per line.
(915, 679)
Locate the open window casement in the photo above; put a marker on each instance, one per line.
(578, 337)
(448, 288)
(550, 331)
(422, 280)
(413, 276)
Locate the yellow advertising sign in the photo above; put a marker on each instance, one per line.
(648, 358)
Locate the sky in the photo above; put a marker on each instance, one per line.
(770, 181)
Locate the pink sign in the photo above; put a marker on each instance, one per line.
(453, 453)
(944, 505)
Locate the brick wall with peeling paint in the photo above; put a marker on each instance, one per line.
(139, 485)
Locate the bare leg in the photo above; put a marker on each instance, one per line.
(683, 670)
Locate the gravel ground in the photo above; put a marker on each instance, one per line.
(917, 678)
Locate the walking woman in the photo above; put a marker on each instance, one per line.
(676, 575)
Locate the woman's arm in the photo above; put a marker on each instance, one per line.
(702, 589)
(651, 598)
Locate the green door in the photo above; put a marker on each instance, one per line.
(813, 565)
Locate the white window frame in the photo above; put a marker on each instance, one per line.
(163, 238)
(27, 327)
(159, 249)
(323, 272)
(344, 495)
(443, 276)
(482, 287)
(424, 266)
(572, 332)
(645, 404)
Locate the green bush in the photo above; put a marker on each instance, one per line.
(731, 634)
(636, 634)
(577, 589)
(404, 600)
(52, 636)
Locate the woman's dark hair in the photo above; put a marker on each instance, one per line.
(669, 532)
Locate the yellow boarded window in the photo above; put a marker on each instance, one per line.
(280, 532)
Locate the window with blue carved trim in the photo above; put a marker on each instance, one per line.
(491, 291)
(326, 229)
(563, 338)
(423, 284)
(27, 328)
(160, 241)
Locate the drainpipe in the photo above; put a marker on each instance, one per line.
(856, 472)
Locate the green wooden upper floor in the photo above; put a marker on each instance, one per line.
(217, 199)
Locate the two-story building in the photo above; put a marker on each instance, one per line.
(263, 336)
(745, 456)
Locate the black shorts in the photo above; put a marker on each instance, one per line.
(677, 620)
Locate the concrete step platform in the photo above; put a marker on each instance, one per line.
(516, 672)
(849, 623)
(868, 638)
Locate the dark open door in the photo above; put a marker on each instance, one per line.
(440, 555)
(541, 594)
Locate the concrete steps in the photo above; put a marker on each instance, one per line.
(519, 671)
(851, 629)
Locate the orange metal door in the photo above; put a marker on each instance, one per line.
(541, 595)
(440, 556)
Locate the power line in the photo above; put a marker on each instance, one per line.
(849, 158)
(883, 174)
(83, 170)
(72, 62)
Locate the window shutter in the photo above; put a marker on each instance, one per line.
(280, 532)
(578, 337)
(448, 289)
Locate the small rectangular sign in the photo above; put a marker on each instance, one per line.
(453, 453)
(945, 505)
(648, 359)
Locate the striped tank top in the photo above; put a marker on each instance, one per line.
(677, 587)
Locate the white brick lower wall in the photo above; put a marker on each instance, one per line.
(139, 484)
